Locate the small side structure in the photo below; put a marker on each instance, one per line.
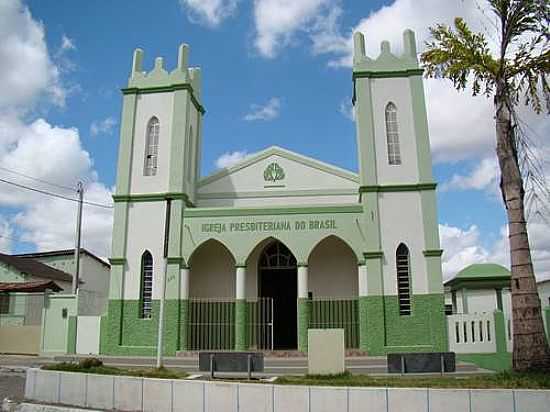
(37, 307)
(480, 327)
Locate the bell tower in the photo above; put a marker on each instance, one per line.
(158, 163)
(403, 285)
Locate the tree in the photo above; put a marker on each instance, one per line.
(517, 73)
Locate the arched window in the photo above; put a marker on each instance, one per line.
(392, 135)
(151, 147)
(403, 279)
(146, 284)
(277, 256)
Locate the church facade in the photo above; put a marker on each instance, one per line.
(259, 252)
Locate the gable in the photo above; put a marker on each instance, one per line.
(276, 172)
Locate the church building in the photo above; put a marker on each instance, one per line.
(259, 252)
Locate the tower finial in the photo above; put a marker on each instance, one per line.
(137, 61)
(358, 46)
(409, 44)
(183, 53)
(385, 47)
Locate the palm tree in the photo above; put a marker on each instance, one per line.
(518, 73)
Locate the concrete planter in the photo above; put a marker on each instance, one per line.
(125, 393)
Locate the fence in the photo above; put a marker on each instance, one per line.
(331, 313)
(260, 324)
(211, 324)
(472, 333)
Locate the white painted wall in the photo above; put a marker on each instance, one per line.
(278, 201)
(333, 270)
(473, 333)
(145, 232)
(482, 300)
(212, 272)
(396, 90)
(87, 335)
(400, 220)
(149, 105)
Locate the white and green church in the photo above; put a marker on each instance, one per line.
(259, 252)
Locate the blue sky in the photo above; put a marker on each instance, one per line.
(273, 72)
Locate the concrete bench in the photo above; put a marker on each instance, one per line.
(421, 362)
(214, 361)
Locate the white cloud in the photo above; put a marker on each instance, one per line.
(485, 176)
(267, 112)
(209, 12)
(67, 43)
(50, 223)
(26, 69)
(34, 147)
(230, 158)
(463, 247)
(347, 109)
(277, 22)
(104, 126)
(6, 234)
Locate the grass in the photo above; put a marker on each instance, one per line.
(504, 380)
(162, 373)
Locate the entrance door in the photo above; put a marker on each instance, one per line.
(278, 280)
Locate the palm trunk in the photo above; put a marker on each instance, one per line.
(531, 351)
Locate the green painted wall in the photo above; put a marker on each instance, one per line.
(58, 331)
(123, 332)
(387, 331)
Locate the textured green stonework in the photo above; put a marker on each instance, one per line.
(425, 330)
(71, 335)
(304, 315)
(127, 334)
(240, 324)
(363, 323)
(184, 321)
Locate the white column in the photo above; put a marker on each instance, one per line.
(240, 282)
(184, 283)
(302, 282)
(362, 279)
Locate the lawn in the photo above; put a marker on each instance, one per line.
(96, 366)
(504, 380)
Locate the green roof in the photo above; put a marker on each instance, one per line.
(484, 270)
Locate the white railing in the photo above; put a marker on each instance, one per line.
(473, 333)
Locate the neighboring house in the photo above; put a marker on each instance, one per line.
(94, 271)
(478, 288)
(16, 269)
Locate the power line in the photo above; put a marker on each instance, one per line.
(72, 189)
(44, 192)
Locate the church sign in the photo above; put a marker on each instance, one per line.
(269, 226)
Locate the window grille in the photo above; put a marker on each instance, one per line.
(403, 280)
(277, 256)
(392, 135)
(152, 147)
(146, 285)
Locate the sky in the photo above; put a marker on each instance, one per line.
(274, 72)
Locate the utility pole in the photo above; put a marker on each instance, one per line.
(80, 193)
(163, 292)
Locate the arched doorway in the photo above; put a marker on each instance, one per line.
(277, 272)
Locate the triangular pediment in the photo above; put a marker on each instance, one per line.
(278, 169)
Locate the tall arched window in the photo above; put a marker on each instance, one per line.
(403, 279)
(151, 147)
(146, 285)
(392, 135)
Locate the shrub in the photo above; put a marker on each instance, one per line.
(88, 363)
